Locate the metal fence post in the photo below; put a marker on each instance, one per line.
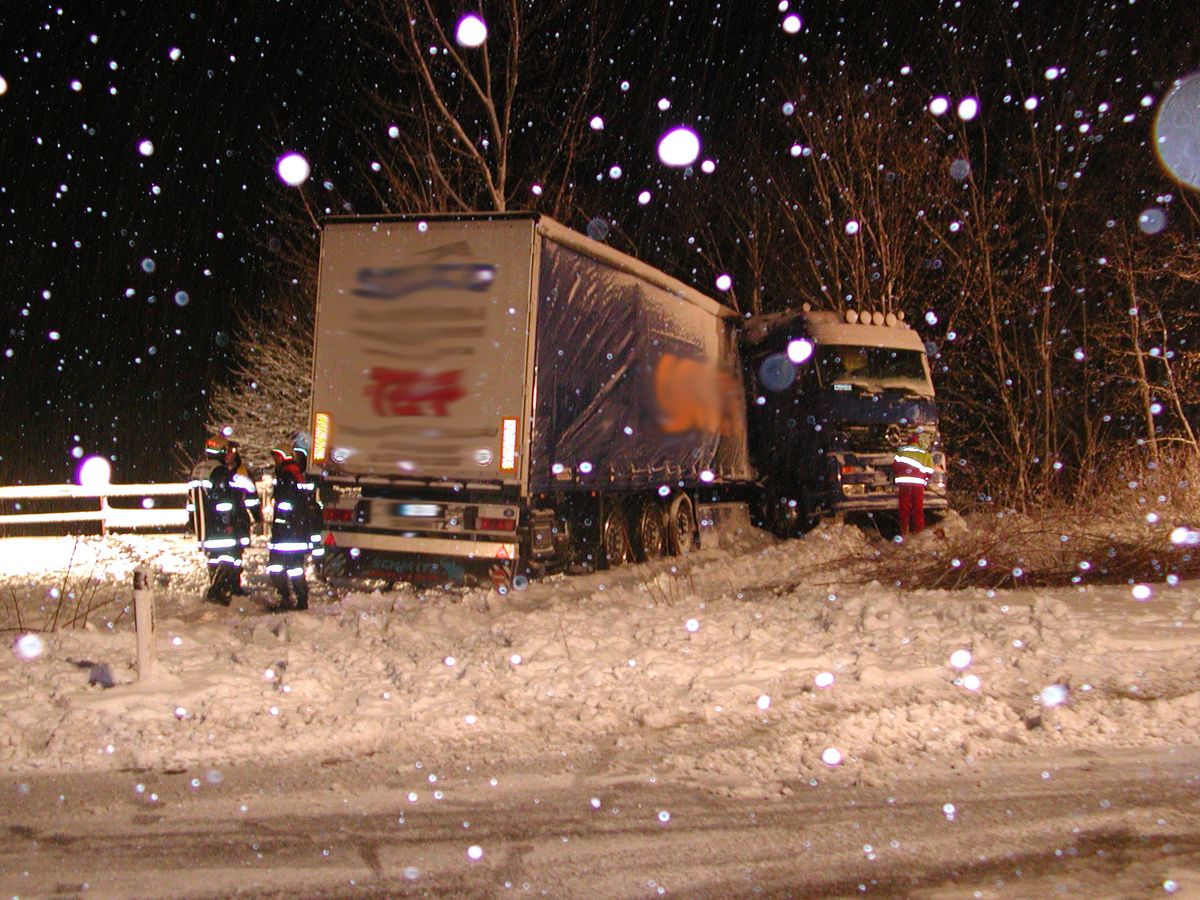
(143, 615)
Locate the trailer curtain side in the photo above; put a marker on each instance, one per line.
(637, 384)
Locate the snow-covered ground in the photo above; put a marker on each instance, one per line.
(742, 668)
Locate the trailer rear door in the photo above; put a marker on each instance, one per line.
(422, 348)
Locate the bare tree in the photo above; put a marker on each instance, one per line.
(862, 173)
(265, 399)
(1152, 278)
(1027, 235)
(482, 128)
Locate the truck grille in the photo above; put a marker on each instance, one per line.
(872, 438)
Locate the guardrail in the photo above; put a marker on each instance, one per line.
(109, 517)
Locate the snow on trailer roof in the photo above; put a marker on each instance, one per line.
(572, 239)
(626, 263)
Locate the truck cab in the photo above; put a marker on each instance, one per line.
(831, 397)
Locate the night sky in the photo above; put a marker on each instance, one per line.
(122, 270)
(124, 263)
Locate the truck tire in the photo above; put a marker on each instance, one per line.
(782, 517)
(789, 517)
(651, 535)
(681, 526)
(614, 537)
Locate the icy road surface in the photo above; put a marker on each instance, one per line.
(1124, 824)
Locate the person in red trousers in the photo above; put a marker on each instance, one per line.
(911, 468)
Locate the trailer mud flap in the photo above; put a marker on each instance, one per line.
(422, 571)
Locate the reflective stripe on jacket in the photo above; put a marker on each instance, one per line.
(912, 464)
(296, 512)
(223, 518)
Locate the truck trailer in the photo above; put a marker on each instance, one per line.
(496, 395)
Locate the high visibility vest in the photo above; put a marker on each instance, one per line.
(912, 464)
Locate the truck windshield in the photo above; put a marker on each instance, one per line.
(872, 367)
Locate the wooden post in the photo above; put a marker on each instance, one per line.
(143, 614)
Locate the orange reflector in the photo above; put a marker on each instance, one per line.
(508, 445)
(320, 446)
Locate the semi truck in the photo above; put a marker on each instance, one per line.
(496, 395)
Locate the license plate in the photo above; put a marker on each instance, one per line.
(418, 510)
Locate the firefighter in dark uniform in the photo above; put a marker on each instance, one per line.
(316, 522)
(243, 481)
(220, 518)
(291, 532)
(315, 518)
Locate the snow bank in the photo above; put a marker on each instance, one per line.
(747, 669)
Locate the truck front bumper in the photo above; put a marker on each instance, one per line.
(886, 502)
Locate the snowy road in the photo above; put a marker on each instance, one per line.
(1118, 825)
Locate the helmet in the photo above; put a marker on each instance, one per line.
(279, 455)
(215, 446)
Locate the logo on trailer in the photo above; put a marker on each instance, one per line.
(396, 392)
(401, 281)
(694, 395)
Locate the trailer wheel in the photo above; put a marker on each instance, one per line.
(652, 538)
(615, 536)
(681, 526)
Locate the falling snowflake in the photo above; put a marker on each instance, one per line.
(29, 647)
(471, 31)
(679, 147)
(293, 169)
